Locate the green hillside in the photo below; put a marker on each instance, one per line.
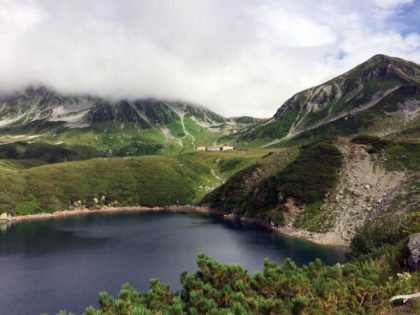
(30, 187)
(251, 194)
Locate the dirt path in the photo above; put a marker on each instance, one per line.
(187, 134)
(214, 174)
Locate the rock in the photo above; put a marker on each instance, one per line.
(95, 200)
(413, 246)
(4, 216)
(367, 187)
(404, 298)
(232, 216)
(77, 203)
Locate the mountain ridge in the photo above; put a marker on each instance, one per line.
(354, 91)
(47, 99)
(341, 104)
(41, 114)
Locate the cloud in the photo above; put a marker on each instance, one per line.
(386, 4)
(285, 28)
(237, 57)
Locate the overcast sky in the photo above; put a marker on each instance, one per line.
(237, 57)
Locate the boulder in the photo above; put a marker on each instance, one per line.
(4, 216)
(413, 247)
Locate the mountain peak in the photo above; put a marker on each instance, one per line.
(380, 58)
(382, 67)
(37, 88)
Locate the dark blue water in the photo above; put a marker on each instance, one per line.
(64, 263)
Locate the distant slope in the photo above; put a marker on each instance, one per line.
(113, 127)
(378, 97)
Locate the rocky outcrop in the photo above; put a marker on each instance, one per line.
(4, 216)
(365, 189)
(413, 247)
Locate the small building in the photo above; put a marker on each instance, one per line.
(213, 148)
(227, 148)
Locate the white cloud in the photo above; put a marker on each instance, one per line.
(238, 57)
(18, 18)
(284, 28)
(386, 4)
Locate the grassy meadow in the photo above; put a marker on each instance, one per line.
(33, 186)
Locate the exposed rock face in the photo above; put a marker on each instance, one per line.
(37, 104)
(413, 246)
(376, 83)
(365, 189)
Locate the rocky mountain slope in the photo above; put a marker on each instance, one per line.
(358, 161)
(40, 104)
(42, 114)
(328, 191)
(379, 97)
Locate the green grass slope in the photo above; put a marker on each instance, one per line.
(132, 181)
(27, 186)
(262, 190)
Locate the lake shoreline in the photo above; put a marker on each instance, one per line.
(317, 238)
(106, 209)
(326, 239)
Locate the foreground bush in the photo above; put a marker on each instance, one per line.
(359, 287)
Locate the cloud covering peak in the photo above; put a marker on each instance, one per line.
(237, 57)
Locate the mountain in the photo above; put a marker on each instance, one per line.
(40, 114)
(348, 166)
(379, 97)
(44, 104)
